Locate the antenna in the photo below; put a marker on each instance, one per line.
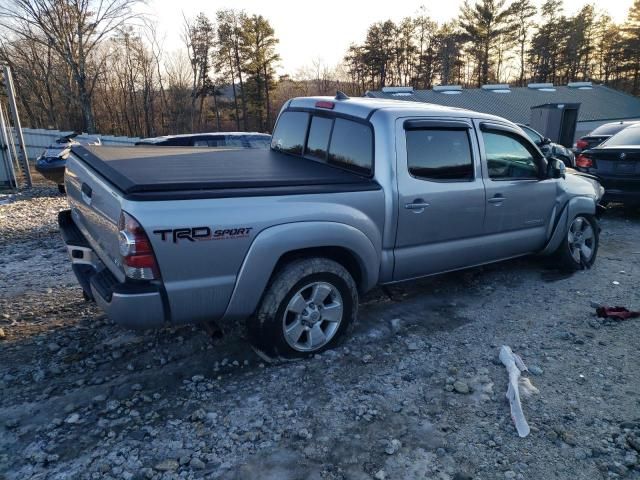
(341, 95)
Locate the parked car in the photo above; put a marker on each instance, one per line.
(549, 148)
(219, 140)
(51, 163)
(599, 135)
(616, 164)
(353, 193)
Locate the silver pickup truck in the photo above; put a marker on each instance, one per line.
(353, 193)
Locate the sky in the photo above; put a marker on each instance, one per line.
(324, 30)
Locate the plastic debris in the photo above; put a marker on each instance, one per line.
(617, 313)
(515, 366)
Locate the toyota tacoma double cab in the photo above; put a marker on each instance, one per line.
(353, 193)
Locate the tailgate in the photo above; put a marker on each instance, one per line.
(95, 208)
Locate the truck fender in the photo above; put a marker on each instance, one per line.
(274, 242)
(575, 206)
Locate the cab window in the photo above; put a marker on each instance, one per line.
(508, 157)
(289, 135)
(442, 155)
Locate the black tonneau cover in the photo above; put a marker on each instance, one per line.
(154, 173)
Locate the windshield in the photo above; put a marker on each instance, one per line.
(534, 136)
(628, 136)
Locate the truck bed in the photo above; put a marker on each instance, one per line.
(172, 173)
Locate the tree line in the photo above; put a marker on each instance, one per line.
(97, 65)
(101, 66)
(495, 41)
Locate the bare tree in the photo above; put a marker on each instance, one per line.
(74, 29)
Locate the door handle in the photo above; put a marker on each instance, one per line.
(417, 205)
(497, 199)
(86, 192)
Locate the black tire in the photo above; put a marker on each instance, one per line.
(61, 189)
(566, 254)
(267, 327)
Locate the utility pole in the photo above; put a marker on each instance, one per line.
(8, 150)
(11, 93)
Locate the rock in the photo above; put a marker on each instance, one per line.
(412, 346)
(630, 459)
(304, 434)
(395, 325)
(393, 446)
(168, 465)
(634, 442)
(12, 423)
(509, 474)
(617, 467)
(536, 370)
(461, 387)
(197, 464)
(568, 438)
(198, 415)
(53, 347)
(2, 334)
(462, 476)
(367, 358)
(73, 418)
(380, 475)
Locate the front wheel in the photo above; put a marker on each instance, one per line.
(307, 307)
(580, 246)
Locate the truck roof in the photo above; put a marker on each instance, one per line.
(364, 107)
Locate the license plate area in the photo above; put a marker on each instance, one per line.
(626, 168)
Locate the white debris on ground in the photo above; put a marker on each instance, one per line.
(415, 393)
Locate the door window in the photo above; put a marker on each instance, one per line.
(508, 157)
(440, 155)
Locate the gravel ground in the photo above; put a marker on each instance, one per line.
(416, 392)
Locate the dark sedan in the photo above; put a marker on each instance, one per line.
(599, 135)
(51, 163)
(616, 163)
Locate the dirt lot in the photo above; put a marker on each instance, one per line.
(416, 393)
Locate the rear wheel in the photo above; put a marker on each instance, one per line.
(580, 246)
(307, 307)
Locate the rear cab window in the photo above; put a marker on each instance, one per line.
(337, 141)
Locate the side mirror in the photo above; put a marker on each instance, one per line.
(556, 168)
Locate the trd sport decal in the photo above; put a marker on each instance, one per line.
(201, 233)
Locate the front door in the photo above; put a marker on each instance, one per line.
(520, 200)
(441, 197)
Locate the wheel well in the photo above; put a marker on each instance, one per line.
(338, 254)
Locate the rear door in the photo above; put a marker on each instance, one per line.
(441, 197)
(520, 200)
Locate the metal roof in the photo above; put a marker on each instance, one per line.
(597, 102)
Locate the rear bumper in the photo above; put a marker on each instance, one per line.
(624, 190)
(132, 305)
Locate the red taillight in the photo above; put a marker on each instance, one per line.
(584, 161)
(323, 104)
(138, 259)
(582, 144)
